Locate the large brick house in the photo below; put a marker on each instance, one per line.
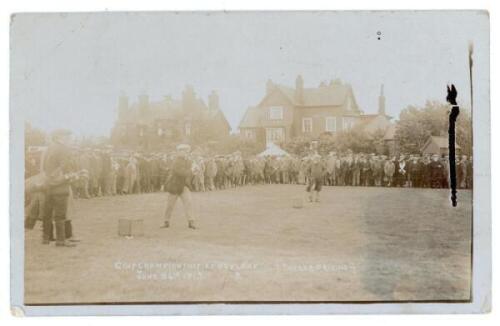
(153, 125)
(285, 112)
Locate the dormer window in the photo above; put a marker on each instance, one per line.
(276, 113)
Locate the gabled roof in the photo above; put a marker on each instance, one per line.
(328, 95)
(372, 116)
(374, 122)
(251, 118)
(170, 109)
(288, 92)
(218, 114)
(165, 109)
(333, 95)
(441, 142)
(364, 120)
(157, 110)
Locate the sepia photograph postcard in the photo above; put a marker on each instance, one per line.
(306, 162)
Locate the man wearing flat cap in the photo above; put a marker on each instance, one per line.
(177, 185)
(316, 172)
(57, 168)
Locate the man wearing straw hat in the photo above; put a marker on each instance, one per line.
(178, 185)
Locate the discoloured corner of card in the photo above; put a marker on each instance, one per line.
(17, 311)
(486, 304)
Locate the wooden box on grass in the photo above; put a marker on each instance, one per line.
(130, 228)
(298, 202)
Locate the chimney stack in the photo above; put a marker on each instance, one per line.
(188, 98)
(299, 89)
(122, 106)
(143, 104)
(213, 101)
(381, 101)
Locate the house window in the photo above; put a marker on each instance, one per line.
(274, 135)
(187, 128)
(307, 125)
(276, 113)
(331, 124)
(347, 123)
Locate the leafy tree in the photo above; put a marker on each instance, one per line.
(300, 146)
(354, 139)
(235, 143)
(33, 136)
(463, 131)
(416, 124)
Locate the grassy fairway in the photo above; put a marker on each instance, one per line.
(369, 244)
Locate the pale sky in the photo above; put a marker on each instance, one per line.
(67, 70)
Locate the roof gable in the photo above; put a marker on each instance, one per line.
(170, 109)
(333, 95)
(219, 115)
(440, 142)
(250, 119)
(286, 93)
(327, 95)
(371, 123)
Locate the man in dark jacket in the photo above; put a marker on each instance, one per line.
(401, 171)
(105, 178)
(462, 171)
(178, 186)
(437, 172)
(316, 172)
(426, 174)
(57, 167)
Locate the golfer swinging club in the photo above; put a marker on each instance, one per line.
(178, 185)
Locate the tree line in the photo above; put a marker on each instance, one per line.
(413, 128)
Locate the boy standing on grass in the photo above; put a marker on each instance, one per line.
(316, 172)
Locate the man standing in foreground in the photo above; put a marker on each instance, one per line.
(178, 185)
(57, 167)
(316, 172)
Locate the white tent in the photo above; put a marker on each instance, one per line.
(273, 150)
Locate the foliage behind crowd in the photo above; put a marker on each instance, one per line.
(413, 128)
(416, 124)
